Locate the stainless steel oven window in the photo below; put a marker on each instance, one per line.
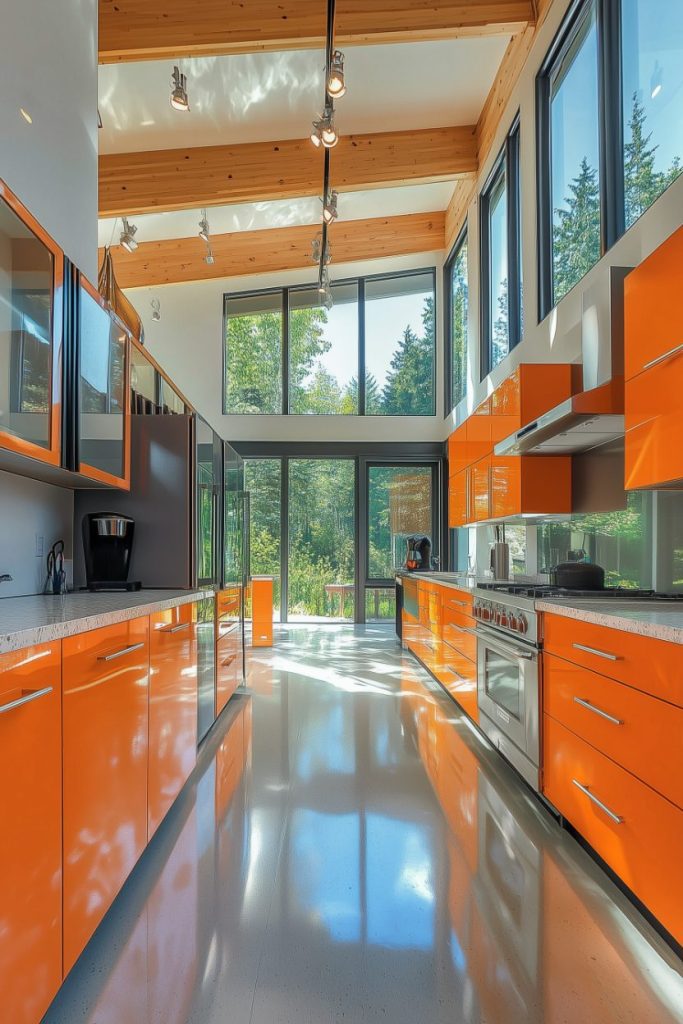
(504, 682)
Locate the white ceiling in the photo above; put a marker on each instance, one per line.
(392, 202)
(269, 96)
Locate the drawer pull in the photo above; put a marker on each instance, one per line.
(597, 711)
(462, 629)
(616, 818)
(26, 699)
(663, 357)
(176, 629)
(454, 671)
(121, 653)
(598, 654)
(462, 604)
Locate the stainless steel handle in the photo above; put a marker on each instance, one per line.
(663, 357)
(26, 699)
(598, 654)
(598, 711)
(452, 600)
(122, 653)
(176, 629)
(616, 818)
(454, 671)
(504, 646)
(461, 629)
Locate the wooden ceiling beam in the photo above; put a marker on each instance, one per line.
(275, 250)
(180, 179)
(135, 30)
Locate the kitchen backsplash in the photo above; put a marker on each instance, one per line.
(33, 516)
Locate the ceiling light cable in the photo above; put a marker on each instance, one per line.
(127, 237)
(179, 97)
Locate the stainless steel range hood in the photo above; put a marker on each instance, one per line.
(596, 415)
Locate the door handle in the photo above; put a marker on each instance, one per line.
(597, 711)
(594, 650)
(121, 653)
(616, 818)
(666, 355)
(176, 629)
(28, 696)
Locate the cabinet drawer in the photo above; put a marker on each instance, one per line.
(31, 843)
(458, 675)
(458, 633)
(651, 665)
(105, 711)
(456, 600)
(639, 732)
(228, 667)
(654, 422)
(632, 828)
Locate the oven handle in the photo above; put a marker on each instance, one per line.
(504, 646)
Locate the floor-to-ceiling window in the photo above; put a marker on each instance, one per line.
(263, 481)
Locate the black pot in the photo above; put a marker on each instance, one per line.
(578, 576)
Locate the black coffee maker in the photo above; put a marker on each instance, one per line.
(419, 553)
(108, 545)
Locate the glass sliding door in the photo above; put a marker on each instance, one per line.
(263, 483)
(321, 526)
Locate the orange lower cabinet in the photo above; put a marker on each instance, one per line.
(31, 840)
(228, 660)
(262, 612)
(633, 828)
(172, 707)
(105, 745)
(530, 485)
(458, 674)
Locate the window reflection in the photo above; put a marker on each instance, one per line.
(325, 866)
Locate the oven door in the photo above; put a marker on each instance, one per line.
(508, 688)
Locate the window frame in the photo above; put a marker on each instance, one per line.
(450, 402)
(506, 166)
(285, 291)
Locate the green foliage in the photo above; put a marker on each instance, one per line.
(409, 387)
(459, 321)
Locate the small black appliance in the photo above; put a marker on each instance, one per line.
(107, 546)
(419, 553)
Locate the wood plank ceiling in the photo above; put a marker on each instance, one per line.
(183, 178)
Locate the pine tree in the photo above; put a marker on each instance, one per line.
(642, 183)
(459, 321)
(576, 235)
(409, 383)
(500, 336)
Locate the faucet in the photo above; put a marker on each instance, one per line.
(5, 577)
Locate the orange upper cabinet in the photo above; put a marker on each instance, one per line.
(105, 737)
(172, 707)
(31, 843)
(458, 499)
(478, 432)
(654, 369)
(480, 490)
(31, 286)
(530, 391)
(458, 452)
(534, 485)
(104, 399)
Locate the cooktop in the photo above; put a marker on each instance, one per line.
(541, 590)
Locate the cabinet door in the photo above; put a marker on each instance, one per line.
(31, 280)
(31, 840)
(480, 490)
(653, 325)
(228, 662)
(104, 442)
(654, 425)
(458, 499)
(172, 707)
(106, 675)
(262, 613)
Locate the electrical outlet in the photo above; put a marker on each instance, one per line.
(40, 545)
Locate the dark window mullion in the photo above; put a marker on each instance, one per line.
(544, 211)
(612, 217)
(484, 286)
(513, 238)
(285, 351)
(361, 346)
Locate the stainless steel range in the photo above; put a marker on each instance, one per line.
(508, 677)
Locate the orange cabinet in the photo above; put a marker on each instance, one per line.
(633, 828)
(653, 358)
(459, 499)
(458, 675)
(228, 610)
(648, 664)
(228, 667)
(639, 732)
(105, 745)
(31, 842)
(480, 490)
(526, 394)
(262, 611)
(458, 450)
(172, 707)
(521, 485)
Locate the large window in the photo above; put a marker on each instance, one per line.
(610, 131)
(501, 269)
(400, 505)
(262, 479)
(399, 345)
(457, 291)
(372, 353)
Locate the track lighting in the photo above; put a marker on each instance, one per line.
(324, 284)
(316, 249)
(324, 132)
(330, 211)
(656, 81)
(156, 310)
(179, 100)
(336, 86)
(127, 237)
(204, 228)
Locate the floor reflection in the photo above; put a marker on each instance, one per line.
(350, 850)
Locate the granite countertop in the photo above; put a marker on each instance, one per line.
(457, 581)
(660, 619)
(25, 621)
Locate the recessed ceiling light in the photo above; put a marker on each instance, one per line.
(26, 116)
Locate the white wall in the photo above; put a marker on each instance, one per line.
(188, 343)
(31, 510)
(557, 338)
(48, 56)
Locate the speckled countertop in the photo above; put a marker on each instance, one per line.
(457, 581)
(660, 619)
(25, 621)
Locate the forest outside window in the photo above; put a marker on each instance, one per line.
(501, 264)
(372, 353)
(457, 322)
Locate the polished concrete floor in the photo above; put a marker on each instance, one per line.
(349, 850)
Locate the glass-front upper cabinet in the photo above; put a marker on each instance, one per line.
(31, 279)
(104, 406)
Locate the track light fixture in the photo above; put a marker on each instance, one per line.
(156, 310)
(336, 86)
(330, 211)
(316, 249)
(127, 236)
(179, 99)
(204, 228)
(324, 132)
